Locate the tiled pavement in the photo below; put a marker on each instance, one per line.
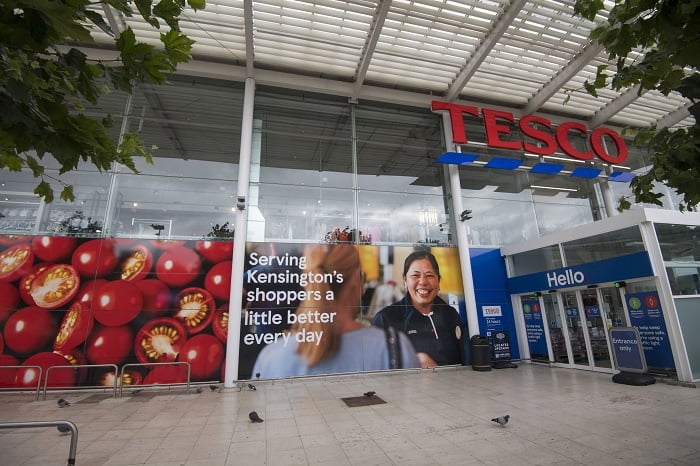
(558, 417)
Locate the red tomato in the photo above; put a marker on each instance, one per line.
(29, 377)
(53, 248)
(95, 258)
(9, 300)
(15, 262)
(29, 330)
(156, 296)
(116, 303)
(167, 243)
(25, 283)
(131, 377)
(76, 358)
(166, 375)
(160, 340)
(109, 345)
(86, 293)
(219, 323)
(9, 240)
(215, 251)
(195, 309)
(74, 329)
(8, 374)
(54, 286)
(178, 266)
(218, 280)
(137, 264)
(2, 344)
(205, 354)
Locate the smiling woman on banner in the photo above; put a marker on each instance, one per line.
(433, 326)
(325, 336)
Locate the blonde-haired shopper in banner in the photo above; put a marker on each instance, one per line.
(327, 338)
(433, 326)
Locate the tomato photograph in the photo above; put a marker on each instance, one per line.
(166, 374)
(29, 330)
(178, 266)
(53, 248)
(9, 300)
(116, 303)
(74, 329)
(156, 296)
(160, 340)
(218, 280)
(28, 377)
(25, 283)
(54, 286)
(109, 345)
(15, 262)
(195, 309)
(219, 323)
(205, 353)
(137, 264)
(215, 251)
(95, 258)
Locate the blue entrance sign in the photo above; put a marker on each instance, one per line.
(627, 349)
(534, 326)
(647, 317)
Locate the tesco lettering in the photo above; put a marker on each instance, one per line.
(566, 278)
(531, 126)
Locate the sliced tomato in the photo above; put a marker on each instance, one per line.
(195, 309)
(15, 262)
(25, 283)
(160, 340)
(215, 251)
(219, 323)
(137, 265)
(54, 286)
(9, 300)
(74, 329)
(131, 377)
(75, 357)
(53, 248)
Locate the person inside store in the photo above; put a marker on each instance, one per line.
(433, 326)
(326, 335)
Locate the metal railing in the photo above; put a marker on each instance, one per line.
(78, 366)
(146, 364)
(38, 379)
(72, 427)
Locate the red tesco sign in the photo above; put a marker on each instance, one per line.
(530, 125)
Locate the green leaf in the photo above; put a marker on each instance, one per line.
(196, 4)
(43, 189)
(67, 194)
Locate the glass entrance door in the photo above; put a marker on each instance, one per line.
(575, 324)
(555, 325)
(597, 327)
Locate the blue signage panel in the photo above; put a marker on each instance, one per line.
(646, 316)
(635, 265)
(627, 349)
(534, 326)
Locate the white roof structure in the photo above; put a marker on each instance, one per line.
(524, 55)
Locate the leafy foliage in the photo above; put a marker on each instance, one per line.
(668, 34)
(46, 81)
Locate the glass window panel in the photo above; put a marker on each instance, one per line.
(603, 246)
(539, 260)
(680, 248)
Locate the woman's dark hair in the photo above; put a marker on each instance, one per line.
(418, 255)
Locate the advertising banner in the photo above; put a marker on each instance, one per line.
(534, 327)
(646, 316)
(337, 308)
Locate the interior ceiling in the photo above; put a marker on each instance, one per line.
(526, 55)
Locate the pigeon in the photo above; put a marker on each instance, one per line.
(252, 387)
(501, 420)
(213, 388)
(199, 390)
(257, 375)
(369, 394)
(253, 416)
(136, 392)
(62, 403)
(63, 429)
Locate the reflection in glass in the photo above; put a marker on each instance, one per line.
(556, 335)
(574, 325)
(597, 328)
(680, 247)
(603, 246)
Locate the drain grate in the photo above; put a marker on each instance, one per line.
(355, 401)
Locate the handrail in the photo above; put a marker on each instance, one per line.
(38, 381)
(77, 366)
(72, 427)
(174, 363)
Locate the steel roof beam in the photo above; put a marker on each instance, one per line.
(371, 44)
(614, 106)
(482, 51)
(674, 117)
(249, 38)
(584, 57)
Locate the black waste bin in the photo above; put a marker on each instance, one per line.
(481, 353)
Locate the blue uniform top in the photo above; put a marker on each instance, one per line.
(360, 350)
